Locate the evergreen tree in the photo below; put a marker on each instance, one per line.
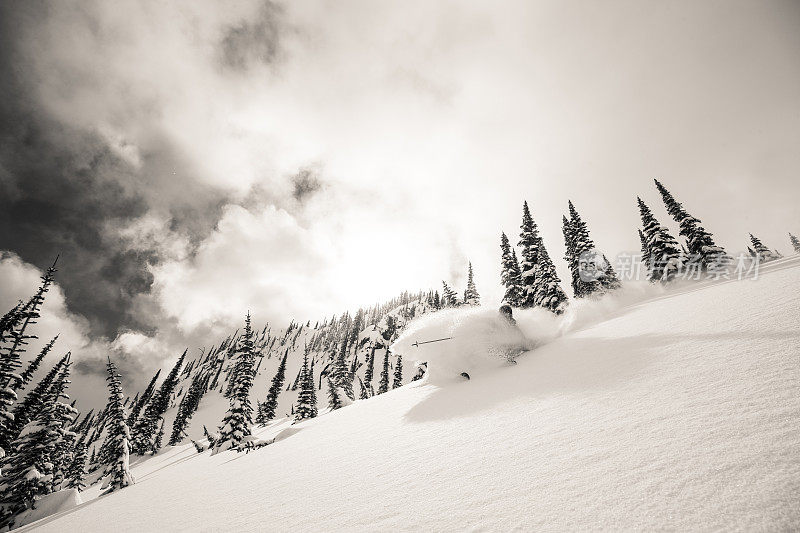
(795, 243)
(27, 375)
(238, 421)
(645, 253)
(609, 281)
(571, 257)
(212, 440)
(342, 378)
(61, 458)
(307, 398)
(10, 320)
(187, 407)
(270, 405)
(583, 254)
(471, 296)
(117, 474)
(549, 293)
(700, 242)
(144, 431)
(363, 391)
(763, 253)
(383, 386)
(158, 439)
(663, 250)
(143, 399)
(28, 468)
(370, 370)
(509, 273)
(335, 395)
(449, 296)
(529, 243)
(76, 475)
(398, 372)
(27, 409)
(10, 355)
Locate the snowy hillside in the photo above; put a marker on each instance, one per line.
(679, 412)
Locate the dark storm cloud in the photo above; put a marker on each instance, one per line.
(62, 188)
(305, 183)
(54, 200)
(252, 41)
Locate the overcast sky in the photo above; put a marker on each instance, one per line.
(193, 160)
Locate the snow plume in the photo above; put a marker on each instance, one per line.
(479, 338)
(585, 312)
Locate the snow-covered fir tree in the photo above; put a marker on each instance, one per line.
(585, 256)
(34, 401)
(610, 281)
(529, 246)
(449, 296)
(28, 469)
(142, 401)
(307, 398)
(10, 320)
(239, 419)
(336, 398)
(189, 404)
(35, 464)
(65, 416)
(341, 375)
(117, 473)
(664, 252)
(144, 432)
(383, 386)
(158, 439)
(700, 243)
(270, 405)
(571, 257)
(27, 375)
(76, 474)
(471, 296)
(12, 349)
(398, 372)
(370, 370)
(549, 293)
(645, 252)
(509, 273)
(795, 243)
(764, 254)
(14, 341)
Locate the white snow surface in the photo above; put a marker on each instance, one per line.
(680, 412)
(51, 504)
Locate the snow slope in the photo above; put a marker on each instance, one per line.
(682, 412)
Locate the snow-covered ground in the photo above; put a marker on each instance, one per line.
(680, 412)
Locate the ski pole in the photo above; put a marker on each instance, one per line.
(417, 343)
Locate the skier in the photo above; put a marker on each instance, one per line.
(514, 340)
(507, 314)
(511, 340)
